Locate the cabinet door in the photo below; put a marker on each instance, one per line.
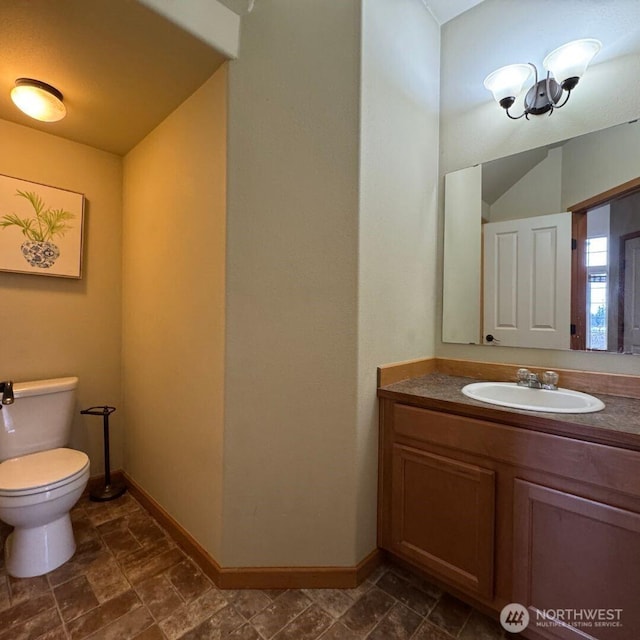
(442, 517)
(579, 557)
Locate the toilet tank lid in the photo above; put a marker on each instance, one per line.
(40, 387)
(40, 469)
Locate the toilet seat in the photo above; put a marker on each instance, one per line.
(42, 471)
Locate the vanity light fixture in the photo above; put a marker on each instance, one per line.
(38, 100)
(565, 66)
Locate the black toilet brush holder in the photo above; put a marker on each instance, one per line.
(109, 491)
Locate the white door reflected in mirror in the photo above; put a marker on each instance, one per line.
(527, 281)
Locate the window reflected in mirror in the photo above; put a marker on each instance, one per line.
(597, 303)
(611, 265)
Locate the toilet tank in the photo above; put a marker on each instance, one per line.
(39, 419)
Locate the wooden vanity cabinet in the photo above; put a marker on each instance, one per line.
(503, 514)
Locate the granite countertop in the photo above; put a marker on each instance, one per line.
(618, 424)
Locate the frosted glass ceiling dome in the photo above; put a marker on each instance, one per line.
(38, 100)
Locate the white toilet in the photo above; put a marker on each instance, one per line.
(40, 479)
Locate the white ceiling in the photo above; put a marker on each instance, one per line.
(442, 10)
(445, 10)
(121, 67)
(241, 7)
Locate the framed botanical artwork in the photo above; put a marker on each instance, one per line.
(40, 229)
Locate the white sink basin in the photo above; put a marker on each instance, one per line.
(509, 394)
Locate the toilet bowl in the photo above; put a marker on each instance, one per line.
(40, 482)
(37, 491)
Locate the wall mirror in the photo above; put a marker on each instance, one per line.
(542, 248)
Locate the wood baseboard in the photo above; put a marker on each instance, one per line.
(299, 577)
(255, 577)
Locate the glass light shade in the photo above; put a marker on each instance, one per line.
(572, 59)
(507, 82)
(38, 100)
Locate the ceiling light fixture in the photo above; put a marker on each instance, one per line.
(565, 66)
(38, 100)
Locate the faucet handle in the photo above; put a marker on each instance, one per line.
(550, 380)
(523, 377)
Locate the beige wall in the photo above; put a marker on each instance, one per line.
(398, 214)
(290, 379)
(173, 310)
(55, 327)
(473, 128)
(331, 265)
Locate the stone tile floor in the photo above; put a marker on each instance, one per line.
(128, 580)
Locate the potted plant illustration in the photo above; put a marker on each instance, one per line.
(38, 249)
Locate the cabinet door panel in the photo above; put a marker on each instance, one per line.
(571, 553)
(443, 514)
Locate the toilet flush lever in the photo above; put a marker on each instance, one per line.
(6, 388)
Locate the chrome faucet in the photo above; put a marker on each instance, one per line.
(533, 382)
(6, 388)
(528, 379)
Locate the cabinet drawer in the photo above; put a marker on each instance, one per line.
(602, 465)
(429, 426)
